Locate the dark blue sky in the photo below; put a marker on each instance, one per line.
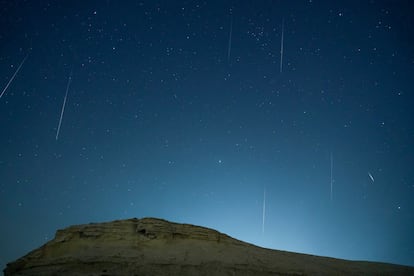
(179, 110)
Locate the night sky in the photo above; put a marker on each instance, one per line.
(191, 111)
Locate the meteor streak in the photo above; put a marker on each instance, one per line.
(281, 46)
(370, 176)
(331, 176)
(64, 104)
(14, 75)
(230, 35)
(264, 210)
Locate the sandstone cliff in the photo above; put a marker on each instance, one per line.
(152, 246)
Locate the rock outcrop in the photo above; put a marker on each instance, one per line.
(152, 246)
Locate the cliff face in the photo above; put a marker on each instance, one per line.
(157, 247)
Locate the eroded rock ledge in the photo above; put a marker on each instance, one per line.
(138, 230)
(152, 246)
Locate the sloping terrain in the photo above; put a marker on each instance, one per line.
(152, 246)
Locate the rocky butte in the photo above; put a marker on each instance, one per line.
(152, 246)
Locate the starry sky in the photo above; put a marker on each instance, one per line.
(287, 124)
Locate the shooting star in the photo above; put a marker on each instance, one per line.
(281, 46)
(14, 75)
(64, 104)
(230, 36)
(370, 176)
(264, 210)
(331, 176)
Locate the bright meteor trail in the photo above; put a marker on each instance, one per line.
(264, 210)
(64, 104)
(14, 75)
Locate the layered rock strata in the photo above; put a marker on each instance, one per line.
(152, 246)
